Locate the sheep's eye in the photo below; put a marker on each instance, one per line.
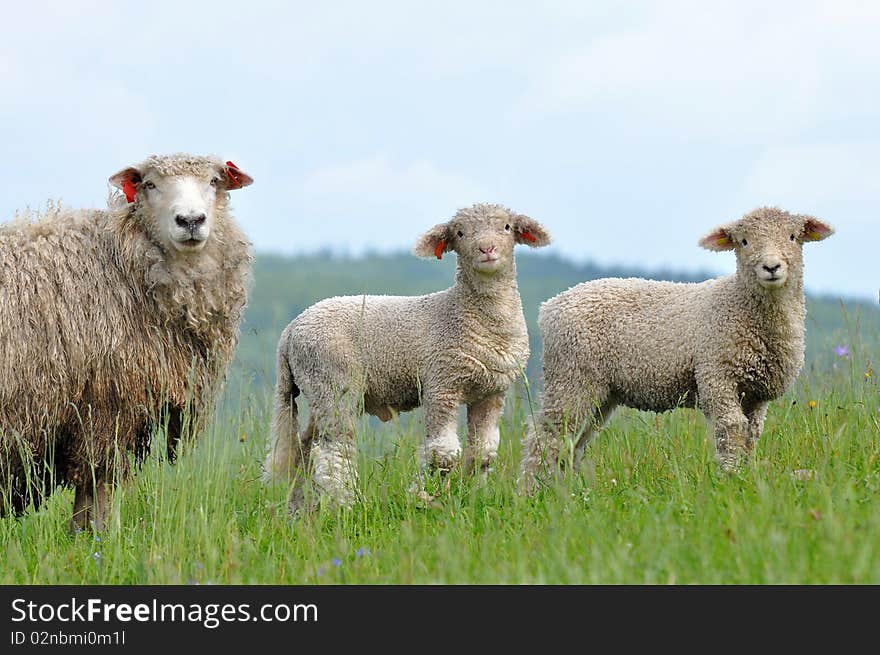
(791, 237)
(460, 233)
(744, 242)
(507, 227)
(149, 185)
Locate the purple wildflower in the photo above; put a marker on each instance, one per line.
(336, 561)
(362, 551)
(841, 350)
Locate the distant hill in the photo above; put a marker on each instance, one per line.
(284, 286)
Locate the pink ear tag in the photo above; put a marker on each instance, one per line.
(230, 171)
(129, 189)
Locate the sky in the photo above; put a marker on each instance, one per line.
(629, 129)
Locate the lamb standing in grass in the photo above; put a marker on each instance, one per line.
(387, 354)
(728, 346)
(112, 322)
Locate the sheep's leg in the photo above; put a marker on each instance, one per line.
(442, 449)
(174, 432)
(557, 434)
(756, 426)
(91, 504)
(722, 408)
(332, 455)
(483, 433)
(298, 494)
(334, 470)
(589, 428)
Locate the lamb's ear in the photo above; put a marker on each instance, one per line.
(816, 230)
(235, 177)
(718, 240)
(127, 179)
(530, 232)
(434, 242)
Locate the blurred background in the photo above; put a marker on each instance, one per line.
(629, 129)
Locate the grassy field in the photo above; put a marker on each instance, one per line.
(648, 506)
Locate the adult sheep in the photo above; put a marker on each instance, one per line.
(387, 354)
(112, 321)
(728, 346)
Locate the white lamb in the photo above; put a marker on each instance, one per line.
(727, 346)
(387, 354)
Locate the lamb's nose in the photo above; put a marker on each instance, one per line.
(487, 251)
(772, 269)
(190, 221)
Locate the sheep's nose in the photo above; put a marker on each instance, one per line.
(487, 251)
(772, 269)
(190, 221)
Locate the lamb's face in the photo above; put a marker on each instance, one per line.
(483, 236)
(768, 244)
(180, 196)
(483, 240)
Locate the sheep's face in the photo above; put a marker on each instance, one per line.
(483, 237)
(768, 244)
(183, 208)
(180, 196)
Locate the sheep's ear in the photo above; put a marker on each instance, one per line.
(718, 240)
(530, 232)
(434, 242)
(127, 179)
(816, 230)
(235, 177)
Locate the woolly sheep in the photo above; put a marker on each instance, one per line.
(387, 354)
(727, 346)
(112, 321)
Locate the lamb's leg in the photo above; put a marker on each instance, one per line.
(756, 426)
(560, 431)
(334, 470)
(332, 456)
(91, 504)
(301, 464)
(442, 447)
(720, 404)
(483, 433)
(598, 416)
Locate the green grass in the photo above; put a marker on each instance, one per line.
(648, 506)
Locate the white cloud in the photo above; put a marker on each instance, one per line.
(843, 178)
(369, 203)
(376, 179)
(719, 69)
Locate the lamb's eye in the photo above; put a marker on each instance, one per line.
(791, 237)
(744, 242)
(149, 185)
(507, 228)
(460, 233)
